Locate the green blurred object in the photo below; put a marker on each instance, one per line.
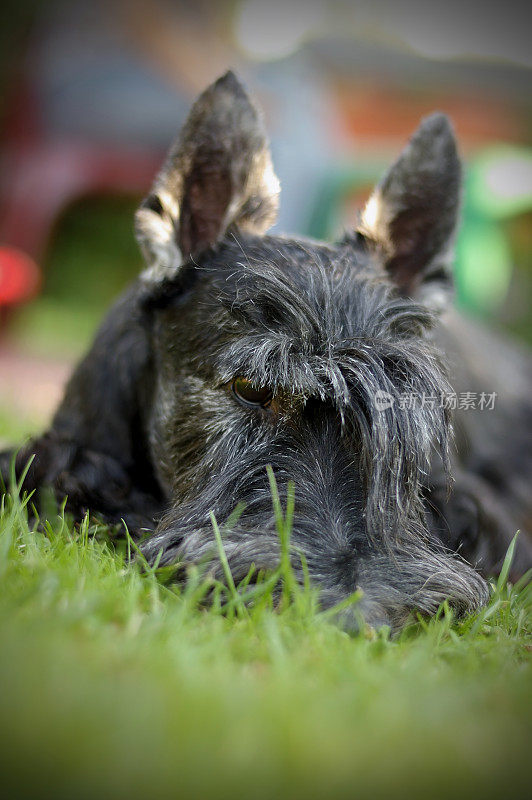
(499, 181)
(498, 187)
(483, 265)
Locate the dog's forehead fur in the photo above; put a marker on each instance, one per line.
(293, 313)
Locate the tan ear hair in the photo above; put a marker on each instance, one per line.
(411, 217)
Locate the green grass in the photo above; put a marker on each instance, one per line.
(116, 683)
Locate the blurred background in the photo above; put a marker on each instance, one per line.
(92, 93)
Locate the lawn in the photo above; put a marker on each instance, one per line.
(117, 683)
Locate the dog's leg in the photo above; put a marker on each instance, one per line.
(473, 521)
(96, 453)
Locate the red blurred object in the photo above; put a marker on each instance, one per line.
(20, 277)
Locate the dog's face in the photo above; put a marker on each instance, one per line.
(273, 351)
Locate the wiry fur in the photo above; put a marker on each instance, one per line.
(151, 432)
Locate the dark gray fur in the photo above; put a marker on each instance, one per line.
(151, 432)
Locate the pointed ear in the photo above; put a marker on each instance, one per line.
(217, 174)
(411, 217)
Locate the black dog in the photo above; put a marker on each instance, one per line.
(235, 350)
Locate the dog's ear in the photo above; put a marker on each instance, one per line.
(411, 217)
(217, 174)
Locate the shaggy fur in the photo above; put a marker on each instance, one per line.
(151, 431)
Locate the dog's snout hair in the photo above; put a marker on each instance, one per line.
(236, 350)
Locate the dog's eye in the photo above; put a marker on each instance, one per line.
(249, 394)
